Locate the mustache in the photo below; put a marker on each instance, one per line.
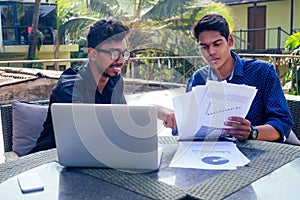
(116, 65)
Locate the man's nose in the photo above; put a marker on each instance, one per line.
(211, 50)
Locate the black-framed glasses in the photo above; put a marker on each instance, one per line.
(115, 54)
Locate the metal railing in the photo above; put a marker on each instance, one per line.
(242, 43)
(176, 70)
(162, 71)
(295, 30)
(287, 68)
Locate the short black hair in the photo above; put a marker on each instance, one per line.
(211, 22)
(105, 30)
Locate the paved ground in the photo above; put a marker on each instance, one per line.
(163, 98)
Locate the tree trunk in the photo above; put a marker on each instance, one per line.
(33, 35)
(56, 50)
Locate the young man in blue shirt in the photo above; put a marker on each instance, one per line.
(269, 117)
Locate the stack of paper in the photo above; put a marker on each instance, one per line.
(203, 111)
(200, 114)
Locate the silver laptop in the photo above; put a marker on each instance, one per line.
(106, 135)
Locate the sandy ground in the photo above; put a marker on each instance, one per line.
(162, 98)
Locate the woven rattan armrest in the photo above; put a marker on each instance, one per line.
(294, 105)
(6, 119)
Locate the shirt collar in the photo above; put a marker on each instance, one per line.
(237, 70)
(86, 74)
(212, 75)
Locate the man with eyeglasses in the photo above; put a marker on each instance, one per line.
(98, 81)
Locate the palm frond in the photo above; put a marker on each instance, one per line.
(75, 27)
(104, 8)
(166, 9)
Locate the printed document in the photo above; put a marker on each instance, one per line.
(208, 155)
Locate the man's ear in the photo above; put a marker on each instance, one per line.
(92, 53)
(230, 40)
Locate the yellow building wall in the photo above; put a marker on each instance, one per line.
(277, 14)
(297, 14)
(240, 16)
(240, 13)
(19, 52)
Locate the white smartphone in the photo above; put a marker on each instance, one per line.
(30, 182)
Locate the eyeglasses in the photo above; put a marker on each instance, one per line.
(115, 54)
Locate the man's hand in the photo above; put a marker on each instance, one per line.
(167, 116)
(241, 128)
(170, 121)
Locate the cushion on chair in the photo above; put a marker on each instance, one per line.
(27, 123)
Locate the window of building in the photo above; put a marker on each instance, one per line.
(16, 19)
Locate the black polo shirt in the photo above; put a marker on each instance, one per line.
(78, 86)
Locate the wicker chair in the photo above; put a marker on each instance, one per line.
(6, 119)
(294, 104)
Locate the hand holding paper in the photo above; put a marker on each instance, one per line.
(204, 110)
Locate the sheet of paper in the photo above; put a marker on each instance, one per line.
(186, 108)
(208, 155)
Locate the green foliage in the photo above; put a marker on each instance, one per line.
(33, 65)
(67, 24)
(75, 28)
(218, 8)
(82, 53)
(292, 44)
(164, 42)
(104, 7)
(167, 9)
(161, 25)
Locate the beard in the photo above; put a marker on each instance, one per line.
(111, 66)
(107, 75)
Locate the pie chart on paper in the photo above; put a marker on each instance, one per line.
(215, 160)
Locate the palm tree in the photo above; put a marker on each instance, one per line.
(178, 15)
(162, 25)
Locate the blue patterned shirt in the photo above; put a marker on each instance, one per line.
(269, 105)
